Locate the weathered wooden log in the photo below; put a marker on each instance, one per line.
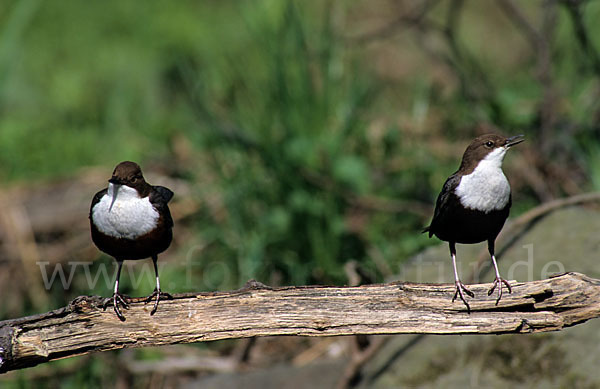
(257, 310)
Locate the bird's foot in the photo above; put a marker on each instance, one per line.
(498, 282)
(115, 300)
(458, 291)
(158, 294)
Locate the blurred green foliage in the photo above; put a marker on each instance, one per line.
(286, 134)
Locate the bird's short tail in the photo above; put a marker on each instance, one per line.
(427, 229)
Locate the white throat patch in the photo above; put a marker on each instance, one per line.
(130, 215)
(486, 188)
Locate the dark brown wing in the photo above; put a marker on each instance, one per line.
(441, 205)
(159, 197)
(161, 194)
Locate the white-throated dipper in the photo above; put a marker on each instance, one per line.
(131, 220)
(474, 203)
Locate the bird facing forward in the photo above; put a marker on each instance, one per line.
(474, 204)
(131, 220)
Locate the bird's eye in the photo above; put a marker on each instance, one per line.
(489, 144)
(134, 179)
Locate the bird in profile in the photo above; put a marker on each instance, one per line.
(129, 220)
(474, 204)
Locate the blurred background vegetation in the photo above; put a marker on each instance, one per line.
(306, 141)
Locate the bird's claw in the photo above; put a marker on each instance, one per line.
(498, 282)
(115, 300)
(158, 294)
(458, 291)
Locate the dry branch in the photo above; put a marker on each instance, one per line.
(256, 310)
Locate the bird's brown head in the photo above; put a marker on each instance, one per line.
(128, 173)
(490, 146)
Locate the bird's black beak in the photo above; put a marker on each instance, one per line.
(116, 185)
(514, 140)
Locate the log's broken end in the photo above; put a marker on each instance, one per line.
(6, 336)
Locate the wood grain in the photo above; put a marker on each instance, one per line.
(257, 310)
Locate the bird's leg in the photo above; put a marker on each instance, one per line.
(459, 286)
(157, 293)
(499, 280)
(117, 297)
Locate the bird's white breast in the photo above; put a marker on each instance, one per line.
(130, 215)
(486, 188)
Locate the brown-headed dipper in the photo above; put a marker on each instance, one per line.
(131, 220)
(474, 203)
